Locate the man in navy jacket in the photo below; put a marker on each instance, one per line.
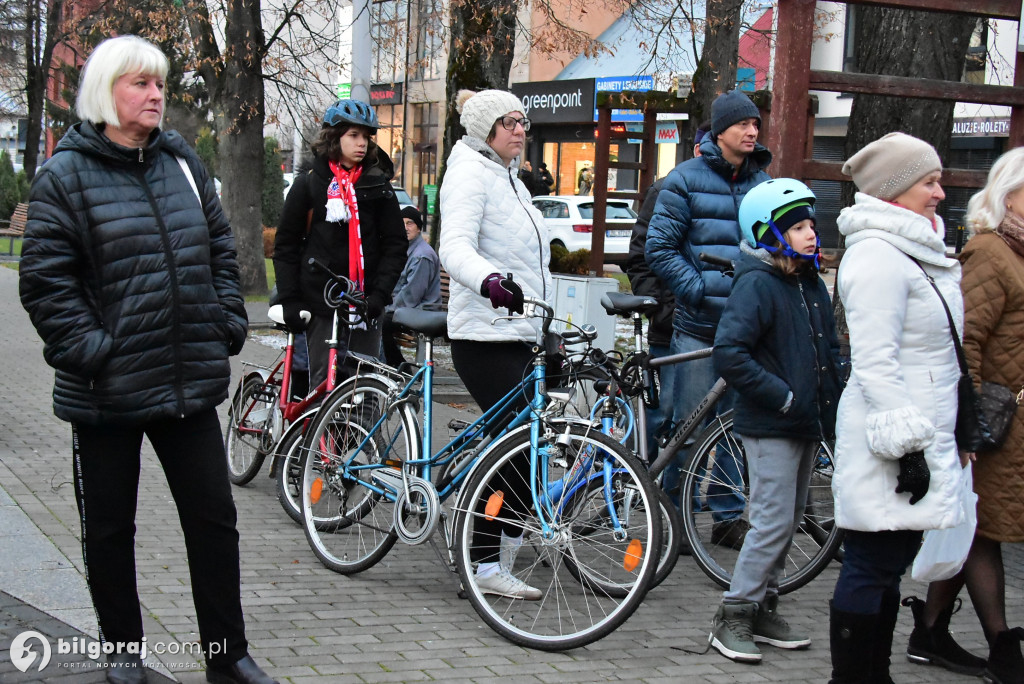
(697, 212)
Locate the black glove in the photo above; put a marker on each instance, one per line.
(292, 320)
(503, 292)
(914, 476)
(374, 306)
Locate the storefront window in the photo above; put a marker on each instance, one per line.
(572, 165)
(425, 134)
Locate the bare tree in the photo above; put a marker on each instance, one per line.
(41, 32)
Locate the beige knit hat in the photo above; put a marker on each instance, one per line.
(891, 165)
(480, 110)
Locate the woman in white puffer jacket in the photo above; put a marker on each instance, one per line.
(897, 467)
(494, 246)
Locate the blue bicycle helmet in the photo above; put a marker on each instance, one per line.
(352, 112)
(769, 201)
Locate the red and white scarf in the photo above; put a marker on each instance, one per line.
(342, 206)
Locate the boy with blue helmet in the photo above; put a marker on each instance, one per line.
(776, 345)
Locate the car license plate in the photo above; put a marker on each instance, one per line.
(618, 233)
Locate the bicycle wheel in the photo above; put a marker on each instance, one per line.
(289, 471)
(717, 468)
(819, 518)
(348, 514)
(571, 612)
(671, 534)
(248, 436)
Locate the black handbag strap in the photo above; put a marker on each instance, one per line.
(960, 356)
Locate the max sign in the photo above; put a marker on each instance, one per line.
(558, 101)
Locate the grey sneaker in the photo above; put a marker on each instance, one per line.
(772, 628)
(504, 583)
(731, 632)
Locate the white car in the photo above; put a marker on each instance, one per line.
(570, 222)
(404, 200)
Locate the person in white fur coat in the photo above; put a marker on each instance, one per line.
(897, 467)
(495, 248)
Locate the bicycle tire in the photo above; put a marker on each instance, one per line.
(288, 478)
(348, 522)
(809, 553)
(253, 407)
(571, 613)
(671, 534)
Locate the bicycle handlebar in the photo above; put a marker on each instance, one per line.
(349, 294)
(725, 264)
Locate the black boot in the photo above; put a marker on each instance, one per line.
(1005, 664)
(245, 671)
(882, 649)
(935, 645)
(852, 638)
(125, 668)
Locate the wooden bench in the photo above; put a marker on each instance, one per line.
(15, 227)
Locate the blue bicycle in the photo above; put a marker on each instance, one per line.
(564, 511)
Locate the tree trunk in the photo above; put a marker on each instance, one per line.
(716, 69)
(479, 57)
(896, 42)
(40, 39)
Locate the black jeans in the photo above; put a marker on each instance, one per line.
(191, 451)
(873, 563)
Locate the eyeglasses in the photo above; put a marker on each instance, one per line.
(509, 123)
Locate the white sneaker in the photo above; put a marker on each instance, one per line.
(504, 583)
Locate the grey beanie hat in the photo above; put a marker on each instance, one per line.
(480, 110)
(891, 165)
(732, 107)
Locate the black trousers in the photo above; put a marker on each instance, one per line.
(490, 370)
(363, 341)
(191, 451)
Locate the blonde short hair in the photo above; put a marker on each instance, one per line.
(112, 59)
(987, 208)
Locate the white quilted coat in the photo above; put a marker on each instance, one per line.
(489, 225)
(901, 396)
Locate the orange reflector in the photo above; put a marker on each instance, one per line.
(494, 502)
(634, 552)
(316, 490)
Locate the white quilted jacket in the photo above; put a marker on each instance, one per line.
(489, 225)
(901, 395)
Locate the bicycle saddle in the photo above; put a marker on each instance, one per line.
(276, 314)
(430, 323)
(624, 304)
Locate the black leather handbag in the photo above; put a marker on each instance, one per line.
(982, 420)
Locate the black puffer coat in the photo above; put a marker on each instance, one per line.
(380, 226)
(130, 281)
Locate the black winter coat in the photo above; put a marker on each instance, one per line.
(380, 226)
(130, 281)
(642, 279)
(777, 335)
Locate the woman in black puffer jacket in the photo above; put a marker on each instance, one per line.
(350, 178)
(128, 273)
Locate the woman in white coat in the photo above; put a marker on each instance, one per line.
(495, 248)
(897, 468)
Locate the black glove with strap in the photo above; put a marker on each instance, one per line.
(914, 476)
(294, 322)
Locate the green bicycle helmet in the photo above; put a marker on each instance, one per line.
(352, 112)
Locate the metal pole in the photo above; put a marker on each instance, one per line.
(361, 50)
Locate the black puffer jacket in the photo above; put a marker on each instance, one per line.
(130, 281)
(380, 226)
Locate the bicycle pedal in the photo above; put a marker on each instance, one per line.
(457, 424)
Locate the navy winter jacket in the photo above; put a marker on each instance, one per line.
(776, 336)
(697, 212)
(130, 280)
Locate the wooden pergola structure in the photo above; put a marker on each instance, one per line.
(790, 134)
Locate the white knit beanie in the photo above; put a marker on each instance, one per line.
(480, 110)
(892, 165)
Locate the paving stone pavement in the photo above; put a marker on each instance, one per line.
(400, 621)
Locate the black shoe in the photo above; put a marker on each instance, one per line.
(730, 532)
(935, 645)
(125, 668)
(1005, 664)
(245, 671)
